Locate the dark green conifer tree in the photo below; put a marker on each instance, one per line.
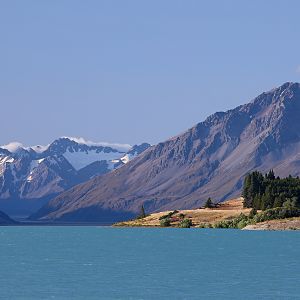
(209, 203)
(142, 212)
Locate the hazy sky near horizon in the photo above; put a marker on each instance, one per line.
(133, 71)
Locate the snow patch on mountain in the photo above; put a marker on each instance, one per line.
(3, 161)
(33, 165)
(81, 159)
(126, 158)
(6, 159)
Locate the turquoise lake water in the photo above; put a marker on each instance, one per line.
(140, 263)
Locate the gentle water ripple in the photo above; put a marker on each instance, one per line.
(139, 263)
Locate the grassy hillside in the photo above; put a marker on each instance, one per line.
(230, 214)
(199, 217)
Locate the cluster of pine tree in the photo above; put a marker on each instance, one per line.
(267, 191)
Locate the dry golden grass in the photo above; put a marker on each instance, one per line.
(226, 210)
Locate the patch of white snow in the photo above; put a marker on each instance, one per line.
(80, 159)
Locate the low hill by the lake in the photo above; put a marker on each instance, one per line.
(199, 217)
(211, 218)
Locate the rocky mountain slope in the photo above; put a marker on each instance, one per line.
(208, 160)
(29, 177)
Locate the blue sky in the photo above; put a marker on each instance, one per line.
(133, 71)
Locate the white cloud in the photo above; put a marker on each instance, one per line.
(12, 147)
(80, 140)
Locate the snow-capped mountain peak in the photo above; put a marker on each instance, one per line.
(80, 153)
(41, 171)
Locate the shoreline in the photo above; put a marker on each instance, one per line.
(215, 218)
(227, 215)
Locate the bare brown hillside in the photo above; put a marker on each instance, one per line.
(209, 160)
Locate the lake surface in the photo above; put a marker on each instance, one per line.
(140, 263)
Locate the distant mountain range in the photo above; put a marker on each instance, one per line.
(30, 176)
(209, 160)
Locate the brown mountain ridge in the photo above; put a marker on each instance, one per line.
(208, 160)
